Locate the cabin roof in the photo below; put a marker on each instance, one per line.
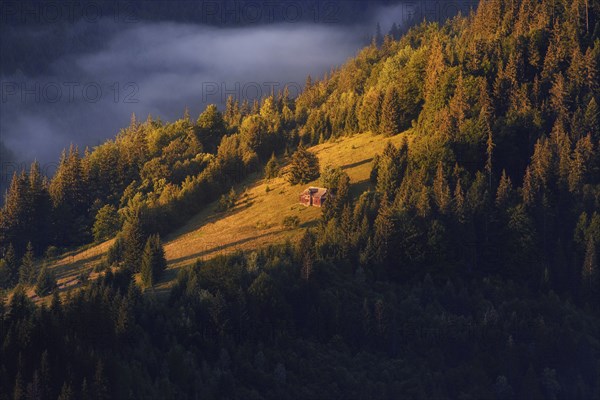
(315, 191)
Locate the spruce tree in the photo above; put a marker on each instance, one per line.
(304, 167)
(391, 168)
(589, 272)
(15, 217)
(384, 229)
(4, 275)
(69, 197)
(66, 393)
(459, 202)
(12, 265)
(27, 273)
(153, 261)
(272, 168)
(41, 208)
(441, 189)
(504, 195)
(46, 282)
(133, 240)
(391, 117)
(107, 223)
(592, 119)
(211, 126)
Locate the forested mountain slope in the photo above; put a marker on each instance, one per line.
(470, 270)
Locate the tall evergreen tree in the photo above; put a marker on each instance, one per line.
(12, 265)
(441, 190)
(391, 117)
(27, 272)
(589, 272)
(391, 168)
(41, 208)
(45, 283)
(15, 216)
(211, 127)
(69, 197)
(107, 223)
(272, 167)
(153, 261)
(304, 166)
(133, 240)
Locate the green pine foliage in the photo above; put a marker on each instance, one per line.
(272, 168)
(45, 283)
(153, 261)
(28, 270)
(107, 223)
(475, 244)
(304, 167)
(391, 118)
(134, 239)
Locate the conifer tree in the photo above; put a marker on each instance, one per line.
(306, 254)
(370, 111)
(485, 121)
(15, 216)
(391, 118)
(12, 265)
(580, 162)
(441, 189)
(559, 97)
(107, 223)
(4, 275)
(66, 392)
(504, 193)
(304, 167)
(153, 261)
(41, 207)
(458, 103)
(589, 272)
(232, 112)
(46, 282)
(100, 384)
(69, 197)
(435, 67)
(592, 119)
(133, 240)
(391, 168)
(591, 69)
(27, 272)
(211, 127)
(459, 202)
(384, 229)
(423, 202)
(272, 167)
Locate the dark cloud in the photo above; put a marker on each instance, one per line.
(160, 68)
(81, 81)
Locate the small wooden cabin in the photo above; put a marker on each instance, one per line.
(314, 196)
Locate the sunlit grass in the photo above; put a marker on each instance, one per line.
(255, 221)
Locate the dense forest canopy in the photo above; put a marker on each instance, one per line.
(470, 270)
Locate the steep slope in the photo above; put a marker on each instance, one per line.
(255, 221)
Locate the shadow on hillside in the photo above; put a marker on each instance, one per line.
(74, 266)
(358, 163)
(310, 224)
(228, 248)
(209, 213)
